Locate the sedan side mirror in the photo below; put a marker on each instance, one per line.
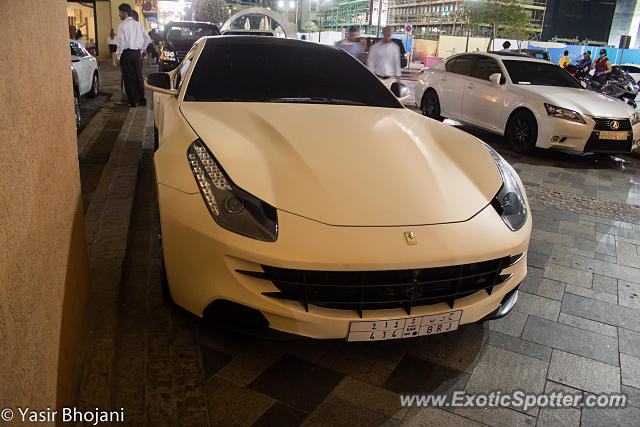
(160, 82)
(400, 90)
(496, 78)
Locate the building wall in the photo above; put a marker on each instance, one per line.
(43, 265)
(626, 20)
(103, 13)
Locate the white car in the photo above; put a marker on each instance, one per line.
(86, 67)
(311, 201)
(532, 102)
(633, 70)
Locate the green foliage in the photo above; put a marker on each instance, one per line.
(506, 18)
(211, 11)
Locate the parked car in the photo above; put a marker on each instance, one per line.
(632, 69)
(532, 102)
(76, 96)
(86, 67)
(320, 206)
(370, 41)
(239, 32)
(534, 53)
(177, 39)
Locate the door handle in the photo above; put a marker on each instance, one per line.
(469, 85)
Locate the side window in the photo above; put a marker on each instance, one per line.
(463, 65)
(182, 72)
(76, 50)
(449, 65)
(486, 67)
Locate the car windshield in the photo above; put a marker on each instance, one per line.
(187, 32)
(539, 73)
(267, 69)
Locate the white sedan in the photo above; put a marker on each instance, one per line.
(532, 102)
(311, 201)
(86, 66)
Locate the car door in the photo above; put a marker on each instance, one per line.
(483, 99)
(452, 83)
(164, 101)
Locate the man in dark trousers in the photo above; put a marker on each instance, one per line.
(132, 40)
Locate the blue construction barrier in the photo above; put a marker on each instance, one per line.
(615, 55)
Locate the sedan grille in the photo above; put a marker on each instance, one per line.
(605, 124)
(385, 289)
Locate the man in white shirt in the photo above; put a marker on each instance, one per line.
(351, 44)
(384, 57)
(131, 40)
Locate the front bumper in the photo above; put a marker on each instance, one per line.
(567, 135)
(202, 260)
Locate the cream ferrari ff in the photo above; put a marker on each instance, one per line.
(296, 192)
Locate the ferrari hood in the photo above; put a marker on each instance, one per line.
(348, 165)
(584, 101)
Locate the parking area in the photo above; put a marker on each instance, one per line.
(575, 327)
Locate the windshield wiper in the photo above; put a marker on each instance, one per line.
(316, 100)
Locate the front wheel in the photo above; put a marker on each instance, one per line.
(522, 131)
(76, 102)
(431, 105)
(95, 85)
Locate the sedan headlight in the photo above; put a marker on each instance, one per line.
(634, 119)
(563, 113)
(168, 55)
(231, 207)
(509, 202)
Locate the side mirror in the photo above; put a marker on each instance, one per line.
(400, 90)
(160, 82)
(495, 78)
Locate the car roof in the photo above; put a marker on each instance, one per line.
(502, 55)
(190, 24)
(236, 39)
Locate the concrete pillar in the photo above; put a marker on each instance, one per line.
(43, 258)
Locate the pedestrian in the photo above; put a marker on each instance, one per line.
(152, 49)
(453, 51)
(303, 38)
(505, 46)
(351, 45)
(384, 57)
(565, 60)
(113, 45)
(80, 39)
(585, 63)
(131, 40)
(602, 67)
(477, 49)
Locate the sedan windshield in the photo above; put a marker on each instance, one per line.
(268, 69)
(539, 73)
(190, 32)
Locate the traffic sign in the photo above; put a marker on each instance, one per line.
(408, 28)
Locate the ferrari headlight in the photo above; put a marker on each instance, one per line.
(509, 202)
(634, 119)
(563, 113)
(231, 207)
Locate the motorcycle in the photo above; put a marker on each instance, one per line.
(618, 84)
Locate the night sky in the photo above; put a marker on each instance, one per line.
(586, 19)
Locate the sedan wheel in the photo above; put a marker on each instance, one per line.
(95, 86)
(76, 102)
(522, 132)
(431, 105)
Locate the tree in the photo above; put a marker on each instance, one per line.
(211, 11)
(506, 18)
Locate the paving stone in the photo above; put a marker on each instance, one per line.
(559, 416)
(588, 325)
(246, 367)
(601, 311)
(458, 350)
(629, 294)
(607, 258)
(598, 417)
(551, 289)
(368, 396)
(622, 272)
(630, 368)
(560, 257)
(544, 223)
(231, 404)
(568, 275)
(297, 382)
(582, 373)
(512, 324)
(633, 395)
(605, 238)
(421, 376)
(517, 345)
(540, 246)
(435, 417)
(571, 339)
(605, 284)
(532, 280)
(582, 228)
(279, 415)
(535, 259)
(590, 293)
(339, 412)
(498, 417)
(213, 361)
(538, 306)
(629, 341)
(553, 238)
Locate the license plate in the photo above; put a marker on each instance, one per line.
(614, 136)
(379, 330)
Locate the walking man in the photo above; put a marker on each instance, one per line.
(132, 39)
(351, 44)
(384, 57)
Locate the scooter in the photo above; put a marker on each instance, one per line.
(618, 84)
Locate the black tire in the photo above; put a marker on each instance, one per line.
(76, 102)
(156, 142)
(430, 105)
(522, 131)
(95, 85)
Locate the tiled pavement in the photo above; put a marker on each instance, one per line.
(575, 328)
